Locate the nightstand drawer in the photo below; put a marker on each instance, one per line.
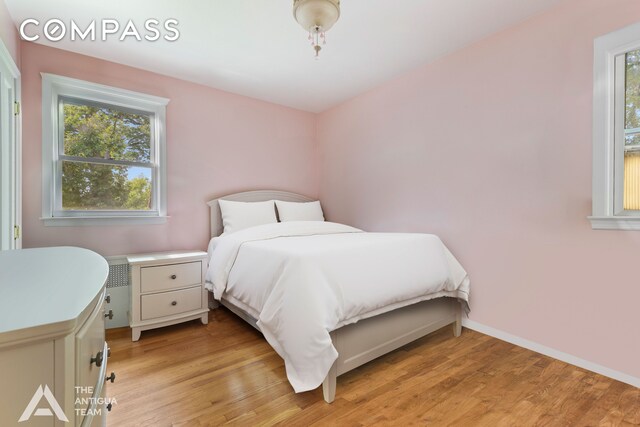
(166, 288)
(166, 277)
(170, 303)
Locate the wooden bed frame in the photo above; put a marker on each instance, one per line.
(367, 339)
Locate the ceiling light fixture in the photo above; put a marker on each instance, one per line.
(317, 17)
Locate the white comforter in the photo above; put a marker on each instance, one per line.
(302, 280)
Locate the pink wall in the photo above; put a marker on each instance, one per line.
(491, 149)
(9, 33)
(217, 143)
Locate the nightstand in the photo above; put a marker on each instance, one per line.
(166, 288)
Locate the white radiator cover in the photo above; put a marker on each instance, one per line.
(118, 288)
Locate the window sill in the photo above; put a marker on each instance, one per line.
(103, 221)
(615, 222)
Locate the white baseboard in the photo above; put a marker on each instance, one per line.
(547, 351)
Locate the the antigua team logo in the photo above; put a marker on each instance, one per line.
(31, 409)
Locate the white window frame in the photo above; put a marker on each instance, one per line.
(54, 90)
(608, 130)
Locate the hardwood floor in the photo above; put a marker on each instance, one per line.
(226, 373)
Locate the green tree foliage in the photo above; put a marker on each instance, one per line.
(104, 133)
(139, 193)
(632, 112)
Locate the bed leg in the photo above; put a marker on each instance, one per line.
(457, 325)
(329, 384)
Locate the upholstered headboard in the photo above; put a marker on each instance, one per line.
(249, 196)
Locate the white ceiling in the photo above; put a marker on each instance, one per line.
(255, 48)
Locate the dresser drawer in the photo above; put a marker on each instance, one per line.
(170, 303)
(89, 342)
(166, 277)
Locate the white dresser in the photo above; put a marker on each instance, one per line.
(53, 354)
(167, 288)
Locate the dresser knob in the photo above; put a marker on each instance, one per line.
(111, 377)
(174, 302)
(109, 315)
(109, 407)
(108, 299)
(174, 277)
(98, 359)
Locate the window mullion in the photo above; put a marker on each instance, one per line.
(95, 160)
(632, 131)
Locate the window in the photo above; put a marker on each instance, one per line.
(616, 131)
(103, 154)
(628, 108)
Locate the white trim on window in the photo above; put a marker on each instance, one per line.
(55, 88)
(607, 212)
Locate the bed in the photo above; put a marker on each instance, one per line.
(366, 339)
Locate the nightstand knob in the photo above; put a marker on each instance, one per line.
(109, 315)
(174, 302)
(98, 359)
(111, 377)
(174, 277)
(109, 406)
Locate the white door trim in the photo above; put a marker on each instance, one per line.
(7, 62)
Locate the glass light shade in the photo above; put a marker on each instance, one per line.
(316, 13)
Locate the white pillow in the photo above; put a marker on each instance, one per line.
(293, 211)
(237, 216)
